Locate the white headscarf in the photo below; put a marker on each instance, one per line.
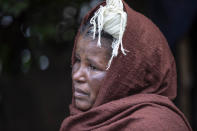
(112, 19)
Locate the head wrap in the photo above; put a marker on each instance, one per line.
(137, 91)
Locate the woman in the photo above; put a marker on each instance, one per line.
(124, 91)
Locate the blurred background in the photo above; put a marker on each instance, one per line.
(36, 39)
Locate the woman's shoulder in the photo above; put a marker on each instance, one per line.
(147, 117)
(157, 117)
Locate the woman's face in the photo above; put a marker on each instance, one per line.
(88, 72)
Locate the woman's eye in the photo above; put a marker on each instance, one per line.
(92, 67)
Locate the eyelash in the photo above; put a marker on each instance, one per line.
(92, 67)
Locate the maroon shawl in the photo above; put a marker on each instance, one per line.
(137, 91)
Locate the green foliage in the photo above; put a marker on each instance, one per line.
(14, 7)
(36, 26)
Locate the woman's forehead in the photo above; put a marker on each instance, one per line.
(89, 47)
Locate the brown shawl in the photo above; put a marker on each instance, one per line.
(137, 91)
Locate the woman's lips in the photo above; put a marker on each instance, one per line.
(80, 94)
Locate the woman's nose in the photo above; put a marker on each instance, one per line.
(79, 75)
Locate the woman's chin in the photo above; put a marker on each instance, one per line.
(82, 104)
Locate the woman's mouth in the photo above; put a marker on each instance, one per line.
(80, 94)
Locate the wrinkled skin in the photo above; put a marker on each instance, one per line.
(88, 71)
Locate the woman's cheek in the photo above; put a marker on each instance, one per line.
(97, 78)
(100, 76)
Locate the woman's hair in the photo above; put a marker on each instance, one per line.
(87, 33)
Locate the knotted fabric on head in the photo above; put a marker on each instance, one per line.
(112, 19)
